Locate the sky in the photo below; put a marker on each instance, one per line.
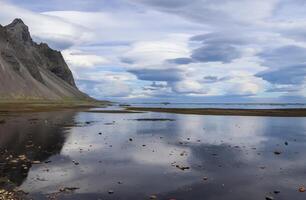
(175, 50)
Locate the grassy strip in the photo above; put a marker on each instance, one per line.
(237, 112)
(48, 105)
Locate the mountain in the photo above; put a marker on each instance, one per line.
(31, 71)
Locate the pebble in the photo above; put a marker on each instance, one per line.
(269, 198)
(302, 189)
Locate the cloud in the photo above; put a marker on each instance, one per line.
(295, 74)
(180, 61)
(212, 11)
(211, 53)
(287, 65)
(105, 89)
(226, 37)
(168, 75)
(284, 56)
(77, 58)
(155, 52)
(214, 79)
(106, 84)
(215, 47)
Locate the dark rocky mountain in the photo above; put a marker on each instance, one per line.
(31, 71)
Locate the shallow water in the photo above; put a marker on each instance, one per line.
(229, 157)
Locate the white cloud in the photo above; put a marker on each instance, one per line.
(80, 59)
(151, 54)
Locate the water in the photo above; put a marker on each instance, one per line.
(229, 157)
(222, 105)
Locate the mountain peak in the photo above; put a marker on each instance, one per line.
(19, 30)
(31, 71)
(17, 21)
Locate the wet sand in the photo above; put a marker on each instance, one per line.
(233, 112)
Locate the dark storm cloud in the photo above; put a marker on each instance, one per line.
(287, 75)
(169, 75)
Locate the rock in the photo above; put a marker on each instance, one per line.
(276, 191)
(286, 143)
(205, 178)
(22, 157)
(130, 139)
(269, 198)
(153, 197)
(75, 162)
(182, 167)
(68, 189)
(277, 152)
(302, 189)
(111, 192)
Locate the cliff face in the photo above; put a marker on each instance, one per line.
(31, 71)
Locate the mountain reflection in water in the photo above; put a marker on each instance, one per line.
(120, 156)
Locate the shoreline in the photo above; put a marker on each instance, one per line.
(45, 106)
(294, 112)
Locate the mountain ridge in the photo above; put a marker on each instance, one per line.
(31, 71)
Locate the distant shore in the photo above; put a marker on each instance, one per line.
(220, 111)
